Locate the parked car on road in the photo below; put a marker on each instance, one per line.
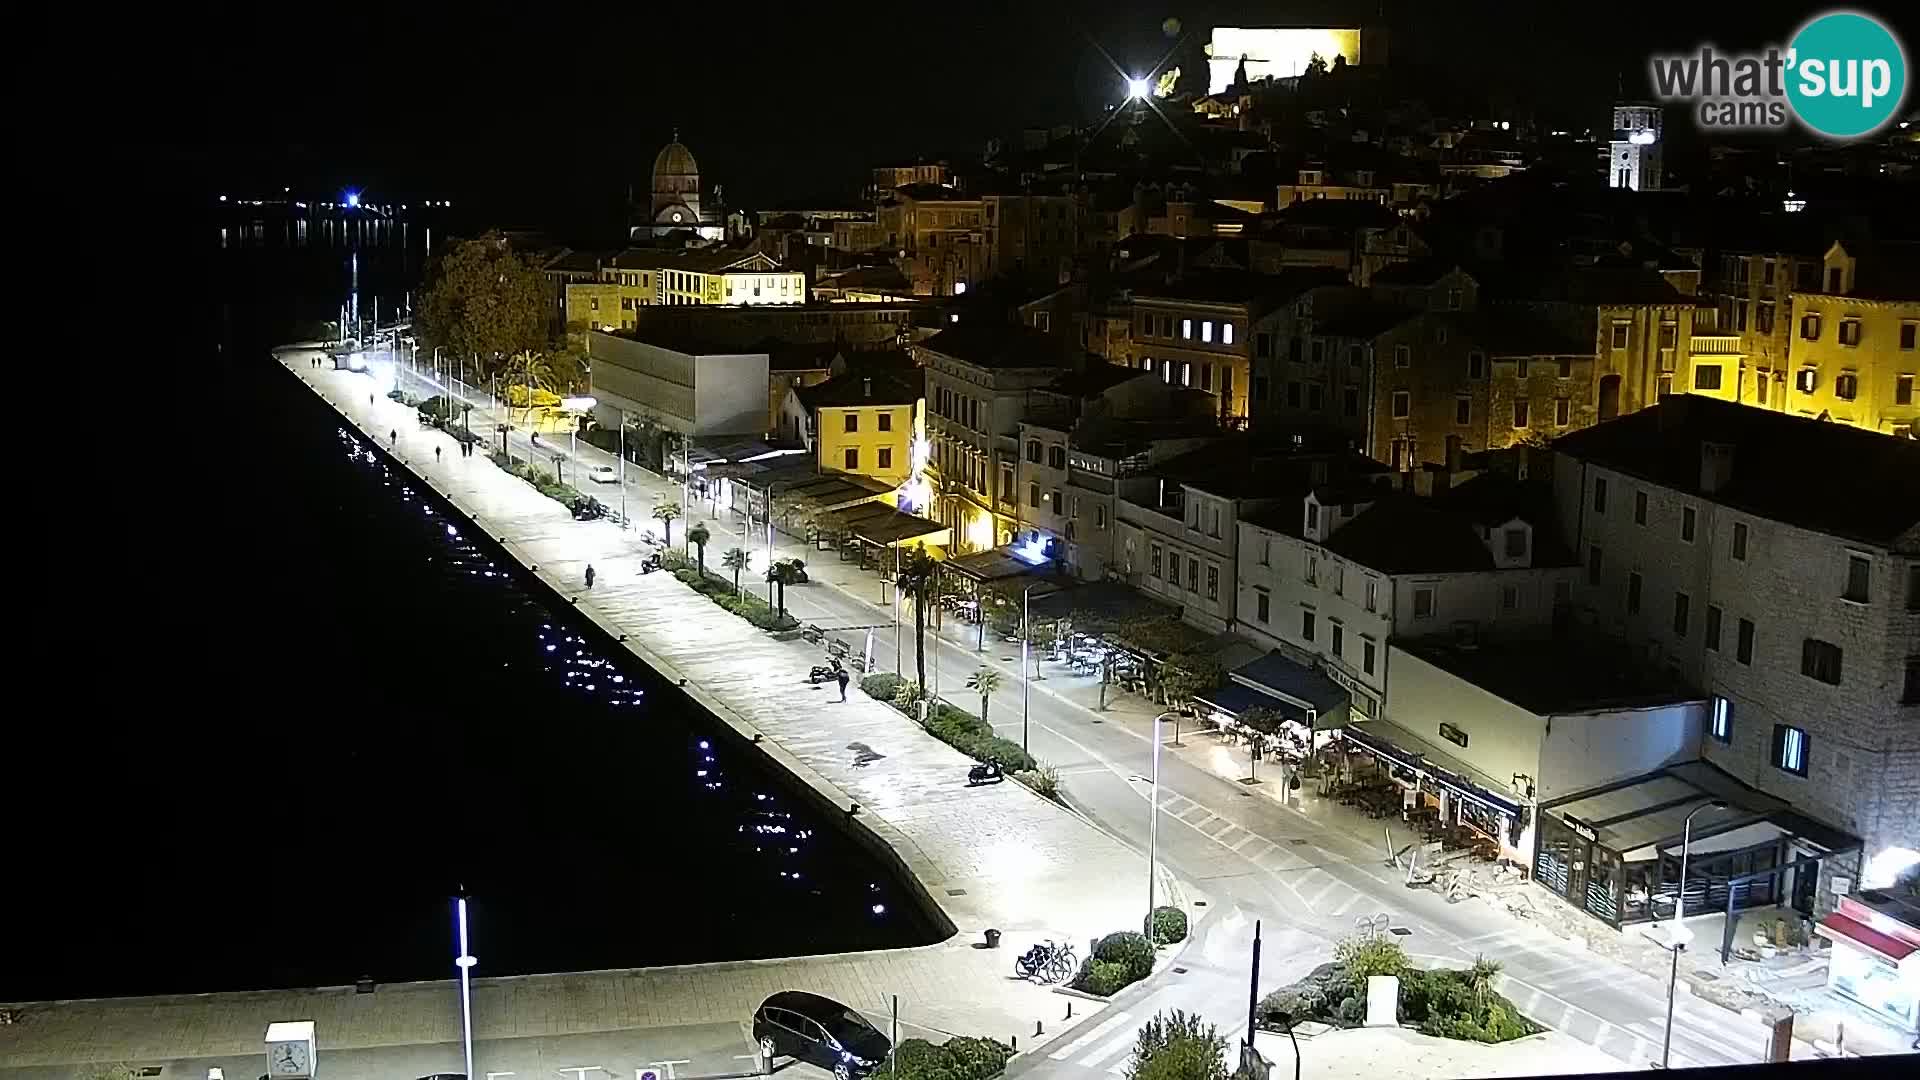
(818, 1030)
(603, 474)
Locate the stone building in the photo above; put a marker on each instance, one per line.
(1774, 562)
(674, 204)
(1856, 343)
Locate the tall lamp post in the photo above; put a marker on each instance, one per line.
(465, 962)
(1678, 935)
(1153, 821)
(1026, 676)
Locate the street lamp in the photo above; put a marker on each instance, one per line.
(1137, 88)
(1153, 822)
(1287, 1020)
(1026, 677)
(465, 962)
(1678, 935)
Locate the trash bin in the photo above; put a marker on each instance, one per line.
(993, 939)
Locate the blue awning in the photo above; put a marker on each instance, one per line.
(1234, 699)
(1300, 686)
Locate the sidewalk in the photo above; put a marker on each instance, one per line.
(998, 856)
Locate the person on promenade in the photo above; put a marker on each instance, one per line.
(436, 455)
(393, 437)
(589, 575)
(842, 678)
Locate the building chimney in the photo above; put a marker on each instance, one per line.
(1716, 467)
(866, 387)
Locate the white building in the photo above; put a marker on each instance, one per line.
(684, 386)
(1633, 155)
(1334, 578)
(1774, 562)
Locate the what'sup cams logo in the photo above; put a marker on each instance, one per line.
(1843, 76)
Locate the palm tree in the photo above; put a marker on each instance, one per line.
(664, 512)
(1480, 979)
(783, 573)
(919, 578)
(698, 537)
(532, 371)
(735, 559)
(984, 681)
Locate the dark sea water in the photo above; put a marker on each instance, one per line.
(296, 709)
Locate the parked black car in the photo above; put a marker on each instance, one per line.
(819, 1030)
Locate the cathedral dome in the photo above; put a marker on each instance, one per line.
(675, 160)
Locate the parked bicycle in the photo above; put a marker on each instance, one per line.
(1047, 963)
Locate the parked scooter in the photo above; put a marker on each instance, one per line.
(650, 563)
(827, 672)
(987, 772)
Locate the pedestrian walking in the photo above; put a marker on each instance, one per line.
(843, 678)
(436, 455)
(589, 575)
(393, 437)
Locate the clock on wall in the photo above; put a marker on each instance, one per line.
(290, 1050)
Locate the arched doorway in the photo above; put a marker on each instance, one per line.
(1609, 397)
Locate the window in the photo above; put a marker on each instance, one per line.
(1620, 335)
(1593, 564)
(886, 458)
(1306, 626)
(1713, 628)
(853, 458)
(853, 421)
(1859, 571)
(1366, 657)
(1099, 517)
(1186, 329)
(1259, 388)
(1462, 410)
(1213, 582)
(1846, 386)
(1806, 380)
(1206, 330)
(1033, 451)
(1402, 404)
(1639, 508)
(1402, 356)
(1810, 326)
(1520, 412)
(1350, 400)
(1373, 595)
(1633, 592)
(1173, 569)
(1903, 390)
(1509, 597)
(1423, 603)
(886, 421)
(1520, 367)
(1263, 344)
(1790, 749)
(1476, 364)
(1516, 543)
(1706, 377)
(1566, 367)
(1057, 457)
(1293, 394)
(1453, 299)
(1313, 570)
(1763, 317)
(1316, 399)
(1059, 505)
(1682, 608)
(1849, 332)
(1720, 720)
(1262, 604)
(1743, 644)
(1562, 412)
(1599, 494)
(1226, 333)
(1033, 494)
(1910, 692)
(1156, 557)
(1339, 639)
(1686, 523)
(1313, 515)
(1670, 332)
(1193, 574)
(1908, 332)
(1339, 579)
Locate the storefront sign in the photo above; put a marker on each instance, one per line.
(1453, 735)
(1580, 828)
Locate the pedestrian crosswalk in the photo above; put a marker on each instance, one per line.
(1299, 869)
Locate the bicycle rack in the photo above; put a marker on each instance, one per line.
(1371, 926)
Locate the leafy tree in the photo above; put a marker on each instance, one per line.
(1185, 675)
(664, 512)
(532, 372)
(1178, 1045)
(1480, 979)
(735, 559)
(984, 681)
(782, 573)
(919, 578)
(1263, 720)
(698, 537)
(484, 300)
(1368, 956)
(1316, 65)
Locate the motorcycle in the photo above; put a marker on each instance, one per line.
(827, 672)
(650, 564)
(987, 772)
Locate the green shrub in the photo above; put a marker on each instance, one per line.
(1178, 1046)
(1367, 956)
(1167, 925)
(881, 687)
(906, 695)
(1352, 1010)
(959, 1058)
(1102, 977)
(1042, 778)
(1129, 948)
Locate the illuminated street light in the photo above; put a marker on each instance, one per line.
(465, 962)
(1153, 822)
(1678, 935)
(1138, 88)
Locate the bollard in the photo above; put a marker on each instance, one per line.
(1069, 1015)
(1038, 1030)
(1015, 1043)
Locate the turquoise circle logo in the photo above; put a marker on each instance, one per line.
(1847, 75)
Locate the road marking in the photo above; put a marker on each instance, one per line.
(1242, 842)
(1099, 1029)
(1204, 813)
(1117, 1044)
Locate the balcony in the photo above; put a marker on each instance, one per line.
(1715, 344)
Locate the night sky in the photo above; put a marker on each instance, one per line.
(545, 113)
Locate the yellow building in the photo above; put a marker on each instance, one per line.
(644, 276)
(866, 422)
(1855, 357)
